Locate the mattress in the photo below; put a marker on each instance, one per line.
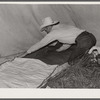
(24, 73)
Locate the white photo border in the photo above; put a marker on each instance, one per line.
(49, 93)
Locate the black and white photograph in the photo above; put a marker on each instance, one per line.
(50, 46)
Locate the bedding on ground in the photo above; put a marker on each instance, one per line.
(24, 73)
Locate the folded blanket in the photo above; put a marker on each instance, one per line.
(24, 73)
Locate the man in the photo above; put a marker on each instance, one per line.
(71, 38)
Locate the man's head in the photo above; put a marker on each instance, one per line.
(47, 25)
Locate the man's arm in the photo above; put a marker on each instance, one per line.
(57, 46)
(45, 41)
(63, 47)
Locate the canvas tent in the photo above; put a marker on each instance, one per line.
(20, 23)
(20, 29)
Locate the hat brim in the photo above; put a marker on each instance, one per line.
(43, 26)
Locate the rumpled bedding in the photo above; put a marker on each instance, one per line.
(24, 73)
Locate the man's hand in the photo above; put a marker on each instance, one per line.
(29, 51)
(6, 59)
(94, 47)
(33, 48)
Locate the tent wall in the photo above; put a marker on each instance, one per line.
(20, 24)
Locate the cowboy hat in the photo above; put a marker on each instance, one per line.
(47, 22)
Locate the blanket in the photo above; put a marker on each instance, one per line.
(84, 74)
(24, 73)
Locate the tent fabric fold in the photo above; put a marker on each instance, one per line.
(20, 24)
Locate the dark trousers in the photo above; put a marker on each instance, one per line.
(49, 55)
(83, 43)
